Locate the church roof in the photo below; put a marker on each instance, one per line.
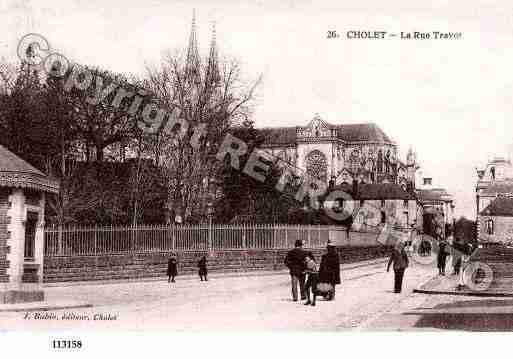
(15, 172)
(376, 191)
(498, 188)
(362, 132)
(369, 132)
(434, 194)
(500, 206)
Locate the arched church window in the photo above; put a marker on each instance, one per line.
(317, 165)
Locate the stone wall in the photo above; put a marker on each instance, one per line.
(4, 234)
(502, 228)
(139, 266)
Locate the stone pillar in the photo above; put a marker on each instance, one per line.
(22, 281)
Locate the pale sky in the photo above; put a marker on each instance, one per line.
(449, 99)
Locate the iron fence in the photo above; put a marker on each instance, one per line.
(97, 241)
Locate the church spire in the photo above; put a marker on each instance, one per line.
(192, 65)
(213, 76)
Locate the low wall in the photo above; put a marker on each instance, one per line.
(148, 265)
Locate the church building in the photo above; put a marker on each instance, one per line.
(341, 153)
(360, 159)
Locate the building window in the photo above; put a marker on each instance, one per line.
(428, 181)
(382, 203)
(405, 203)
(383, 217)
(30, 235)
(489, 227)
(362, 202)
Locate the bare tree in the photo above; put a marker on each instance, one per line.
(210, 97)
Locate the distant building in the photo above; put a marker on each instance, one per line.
(383, 203)
(437, 203)
(495, 221)
(494, 201)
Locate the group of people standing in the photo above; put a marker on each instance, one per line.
(459, 251)
(172, 268)
(313, 279)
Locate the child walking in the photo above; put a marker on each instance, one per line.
(202, 265)
(312, 270)
(172, 268)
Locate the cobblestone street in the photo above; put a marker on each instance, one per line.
(242, 302)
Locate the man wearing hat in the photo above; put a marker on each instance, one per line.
(295, 262)
(399, 259)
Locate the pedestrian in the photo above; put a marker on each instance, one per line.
(312, 271)
(329, 270)
(399, 258)
(172, 271)
(456, 256)
(202, 266)
(467, 250)
(441, 257)
(295, 262)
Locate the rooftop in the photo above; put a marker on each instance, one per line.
(500, 206)
(369, 132)
(15, 172)
(376, 191)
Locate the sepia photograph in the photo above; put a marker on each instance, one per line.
(327, 167)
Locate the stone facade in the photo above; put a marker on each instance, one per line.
(4, 234)
(497, 229)
(22, 203)
(341, 153)
(154, 265)
(494, 201)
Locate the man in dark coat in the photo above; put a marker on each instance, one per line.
(295, 262)
(329, 271)
(400, 260)
(172, 269)
(441, 257)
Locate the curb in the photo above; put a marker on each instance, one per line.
(470, 294)
(460, 293)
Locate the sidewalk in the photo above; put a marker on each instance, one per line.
(448, 285)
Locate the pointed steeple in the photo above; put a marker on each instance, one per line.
(192, 65)
(213, 76)
(29, 74)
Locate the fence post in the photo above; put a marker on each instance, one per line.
(244, 236)
(59, 240)
(95, 240)
(274, 236)
(209, 233)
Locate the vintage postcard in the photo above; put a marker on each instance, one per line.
(223, 166)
